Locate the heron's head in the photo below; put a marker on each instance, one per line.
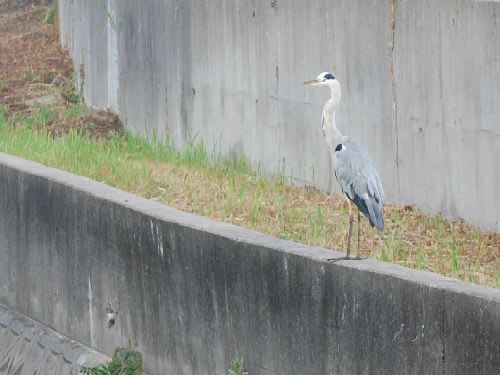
(328, 79)
(323, 79)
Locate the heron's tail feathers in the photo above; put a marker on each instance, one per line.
(375, 211)
(371, 208)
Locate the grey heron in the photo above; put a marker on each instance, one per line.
(354, 169)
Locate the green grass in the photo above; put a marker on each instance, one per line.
(237, 367)
(124, 362)
(107, 160)
(50, 14)
(420, 258)
(454, 260)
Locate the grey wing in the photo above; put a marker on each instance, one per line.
(359, 180)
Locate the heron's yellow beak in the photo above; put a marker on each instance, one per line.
(311, 83)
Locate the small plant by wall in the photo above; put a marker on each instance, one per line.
(237, 367)
(124, 362)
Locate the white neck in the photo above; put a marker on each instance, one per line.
(332, 135)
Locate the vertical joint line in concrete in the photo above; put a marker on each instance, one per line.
(393, 84)
(274, 4)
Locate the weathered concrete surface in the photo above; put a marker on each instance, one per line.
(420, 85)
(192, 294)
(27, 347)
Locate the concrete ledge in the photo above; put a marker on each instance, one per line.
(191, 294)
(28, 347)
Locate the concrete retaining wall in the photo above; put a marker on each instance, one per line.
(192, 294)
(421, 82)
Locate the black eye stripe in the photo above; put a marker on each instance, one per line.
(339, 147)
(329, 76)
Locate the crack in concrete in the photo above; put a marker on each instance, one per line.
(394, 101)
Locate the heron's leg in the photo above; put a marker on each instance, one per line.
(358, 256)
(349, 233)
(359, 231)
(349, 239)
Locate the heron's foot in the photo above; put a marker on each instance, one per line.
(346, 257)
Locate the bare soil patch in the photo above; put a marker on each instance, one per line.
(33, 66)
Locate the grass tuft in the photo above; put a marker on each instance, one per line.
(454, 261)
(124, 362)
(237, 367)
(49, 17)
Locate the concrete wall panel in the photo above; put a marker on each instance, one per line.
(448, 113)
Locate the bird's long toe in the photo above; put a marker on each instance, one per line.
(345, 257)
(359, 257)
